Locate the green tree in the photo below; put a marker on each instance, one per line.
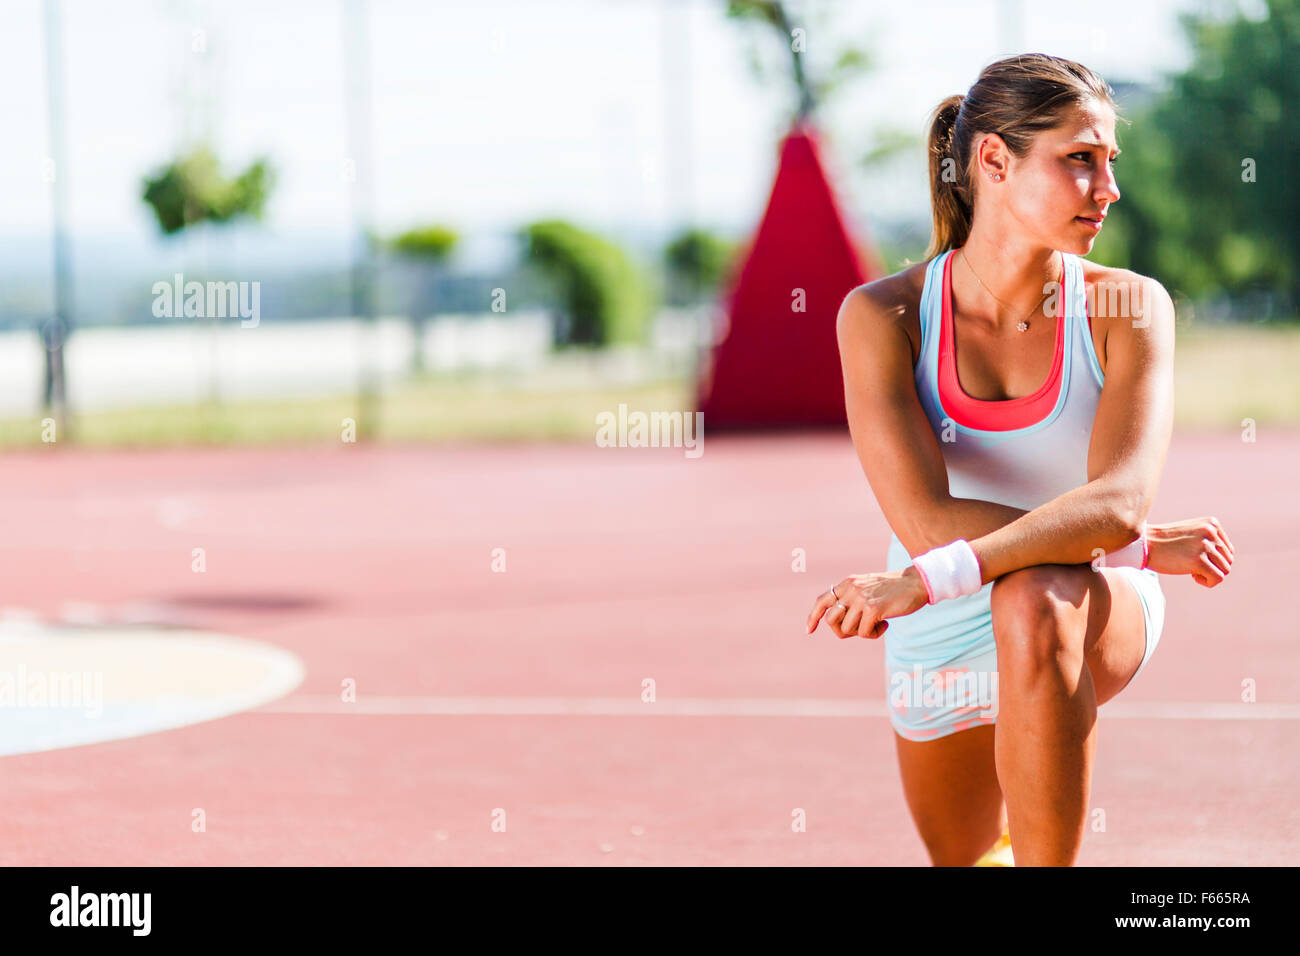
(1211, 199)
(192, 190)
(191, 194)
(423, 253)
(813, 84)
(606, 297)
(697, 261)
(433, 244)
(814, 81)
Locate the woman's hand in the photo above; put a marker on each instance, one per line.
(868, 599)
(1197, 546)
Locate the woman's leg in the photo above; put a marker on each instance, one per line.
(951, 786)
(1068, 639)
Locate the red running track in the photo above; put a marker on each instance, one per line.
(375, 565)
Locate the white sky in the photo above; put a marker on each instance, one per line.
(490, 113)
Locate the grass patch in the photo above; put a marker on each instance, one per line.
(427, 411)
(1224, 374)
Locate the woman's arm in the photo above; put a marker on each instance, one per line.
(1130, 441)
(891, 434)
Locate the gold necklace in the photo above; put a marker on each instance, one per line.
(1022, 325)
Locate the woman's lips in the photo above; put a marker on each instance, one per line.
(1094, 223)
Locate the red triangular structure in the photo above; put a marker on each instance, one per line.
(776, 366)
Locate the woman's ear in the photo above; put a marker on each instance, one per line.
(992, 157)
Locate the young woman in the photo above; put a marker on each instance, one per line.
(1011, 405)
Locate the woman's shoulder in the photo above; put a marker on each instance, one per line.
(1095, 272)
(1111, 290)
(893, 300)
(891, 297)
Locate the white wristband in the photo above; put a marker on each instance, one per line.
(949, 571)
(1132, 555)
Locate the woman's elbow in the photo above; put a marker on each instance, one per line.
(1129, 510)
(923, 533)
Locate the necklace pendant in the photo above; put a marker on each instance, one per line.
(1023, 325)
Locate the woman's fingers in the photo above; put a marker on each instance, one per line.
(1223, 535)
(814, 616)
(1212, 574)
(833, 618)
(1216, 553)
(871, 626)
(1227, 546)
(866, 622)
(819, 608)
(851, 618)
(847, 612)
(825, 603)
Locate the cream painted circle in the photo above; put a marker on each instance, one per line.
(69, 686)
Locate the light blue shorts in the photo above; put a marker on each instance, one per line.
(941, 661)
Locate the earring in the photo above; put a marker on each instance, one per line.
(995, 178)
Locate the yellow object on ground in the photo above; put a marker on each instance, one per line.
(999, 854)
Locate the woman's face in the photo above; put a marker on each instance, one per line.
(1065, 180)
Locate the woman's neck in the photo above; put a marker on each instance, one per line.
(1013, 278)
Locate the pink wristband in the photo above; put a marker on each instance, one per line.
(1132, 555)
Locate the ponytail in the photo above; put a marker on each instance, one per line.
(949, 205)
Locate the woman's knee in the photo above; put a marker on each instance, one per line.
(1038, 619)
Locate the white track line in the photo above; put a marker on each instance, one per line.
(721, 707)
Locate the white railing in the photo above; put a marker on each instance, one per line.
(119, 367)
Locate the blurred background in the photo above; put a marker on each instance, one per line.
(309, 312)
(436, 209)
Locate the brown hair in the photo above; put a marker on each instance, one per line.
(1016, 98)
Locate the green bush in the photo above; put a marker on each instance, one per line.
(608, 299)
(430, 243)
(192, 189)
(698, 259)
